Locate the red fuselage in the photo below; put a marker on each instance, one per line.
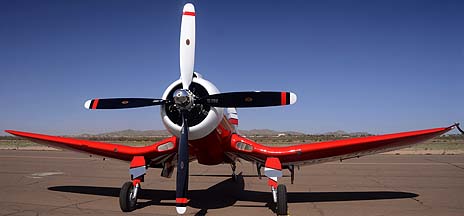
(210, 150)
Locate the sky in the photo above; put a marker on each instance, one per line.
(376, 66)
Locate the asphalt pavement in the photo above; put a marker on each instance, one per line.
(68, 183)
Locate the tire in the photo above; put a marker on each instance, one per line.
(125, 202)
(282, 208)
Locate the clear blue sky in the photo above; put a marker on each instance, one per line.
(374, 65)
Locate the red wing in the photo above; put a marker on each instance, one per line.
(333, 150)
(157, 152)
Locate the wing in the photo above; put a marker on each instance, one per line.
(157, 152)
(312, 153)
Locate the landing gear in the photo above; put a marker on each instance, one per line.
(273, 171)
(129, 190)
(128, 196)
(281, 207)
(234, 176)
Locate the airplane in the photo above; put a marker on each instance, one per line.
(203, 123)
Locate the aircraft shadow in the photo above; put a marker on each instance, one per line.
(227, 193)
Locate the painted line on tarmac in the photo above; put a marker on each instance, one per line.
(44, 174)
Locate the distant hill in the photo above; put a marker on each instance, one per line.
(267, 132)
(254, 132)
(163, 133)
(131, 133)
(344, 133)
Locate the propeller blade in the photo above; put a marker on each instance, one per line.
(182, 167)
(121, 103)
(187, 45)
(249, 99)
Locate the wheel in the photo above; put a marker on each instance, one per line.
(126, 202)
(282, 200)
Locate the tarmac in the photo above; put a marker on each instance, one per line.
(68, 183)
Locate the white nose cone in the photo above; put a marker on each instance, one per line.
(187, 45)
(181, 210)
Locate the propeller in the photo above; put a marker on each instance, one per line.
(122, 103)
(249, 99)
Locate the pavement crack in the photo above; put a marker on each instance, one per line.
(421, 203)
(23, 212)
(320, 211)
(75, 205)
(65, 197)
(13, 213)
(444, 162)
(374, 179)
(33, 183)
(418, 201)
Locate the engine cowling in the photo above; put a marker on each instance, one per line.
(203, 119)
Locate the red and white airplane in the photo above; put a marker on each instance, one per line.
(203, 123)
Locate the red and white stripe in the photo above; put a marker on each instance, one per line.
(273, 170)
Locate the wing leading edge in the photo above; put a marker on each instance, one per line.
(165, 147)
(312, 153)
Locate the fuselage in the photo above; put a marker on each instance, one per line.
(210, 150)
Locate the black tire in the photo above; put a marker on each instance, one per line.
(125, 202)
(282, 208)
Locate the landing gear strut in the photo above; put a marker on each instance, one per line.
(273, 171)
(130, 189)
(234, 176)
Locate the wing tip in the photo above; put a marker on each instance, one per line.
(456, 125)
(13, 132)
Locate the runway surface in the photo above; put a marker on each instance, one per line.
(67, 183)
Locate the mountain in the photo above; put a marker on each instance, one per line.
(131, 133)
(267, 132)
(254, 132)
(344, 133)
(165, 133)
(336, 133)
